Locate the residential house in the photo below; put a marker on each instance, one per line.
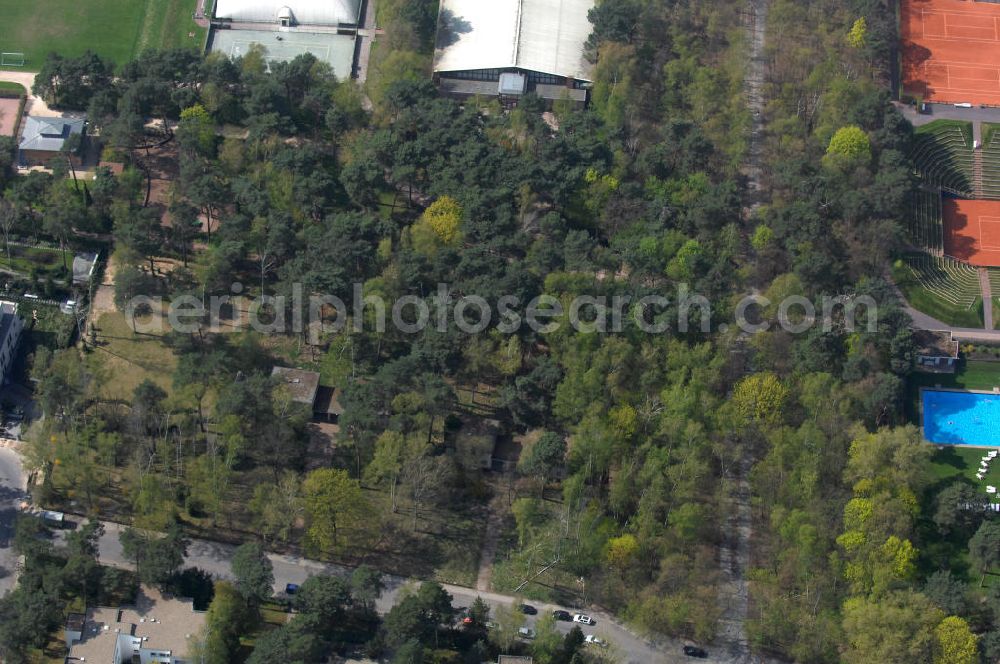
(43, 139)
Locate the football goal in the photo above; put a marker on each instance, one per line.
(11, 59)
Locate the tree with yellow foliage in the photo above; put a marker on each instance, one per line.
(954, 642)
(438, 226)
(760, 397)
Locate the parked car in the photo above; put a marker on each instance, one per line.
(291, 588)
(526, 633)
(528, 609)
(559, 614)
(695, 651)
(924, 108)
(590, 639)
(583, 619)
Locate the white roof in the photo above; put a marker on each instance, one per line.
(305, 12)
(538, 35)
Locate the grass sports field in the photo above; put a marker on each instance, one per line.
(116, 29)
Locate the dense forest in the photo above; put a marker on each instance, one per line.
(633, 444)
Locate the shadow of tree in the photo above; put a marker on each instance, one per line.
(450, 28)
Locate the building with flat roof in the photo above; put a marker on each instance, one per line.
(43, 139)
(936, 350)
(83, 267)
(288, 28)
(11, 326)
(508, 48)
(303, 387)
(157, 630)
(290, 13)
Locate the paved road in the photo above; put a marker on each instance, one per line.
(922, 321)
(948, 112)
(214, 557)
(366, 37)
(12, 492)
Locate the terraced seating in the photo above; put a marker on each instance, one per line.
(991, 162)
(942, 155)
(995, 281)
(926, 225)
(947, 278)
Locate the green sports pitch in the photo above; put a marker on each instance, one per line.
(115, 29)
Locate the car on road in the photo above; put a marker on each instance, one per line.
(526, 633)
(291, 588)
(559, 614)
(528, 609)
(583, 619)
(590, 639)
(695, 651)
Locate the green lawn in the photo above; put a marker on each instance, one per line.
(952, 463)
(8, 87)
(971, 375)
(116, 29)
(40, 260)
(129, 358)
(950, 551)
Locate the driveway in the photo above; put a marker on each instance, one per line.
(34, 105)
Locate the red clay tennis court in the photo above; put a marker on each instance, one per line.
(972, 231)
(951, 50)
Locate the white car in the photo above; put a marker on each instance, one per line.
(595, 640)
(526, 633)
(583, 619)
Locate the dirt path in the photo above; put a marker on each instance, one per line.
(753, 85)
(734, 555)
(104, 295)
(498, 508)
(734, 562)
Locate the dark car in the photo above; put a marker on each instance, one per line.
(528, 609)
(695, 651)
(559, 614)
(291, 588)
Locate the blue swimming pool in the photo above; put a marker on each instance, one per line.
(961, 418)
